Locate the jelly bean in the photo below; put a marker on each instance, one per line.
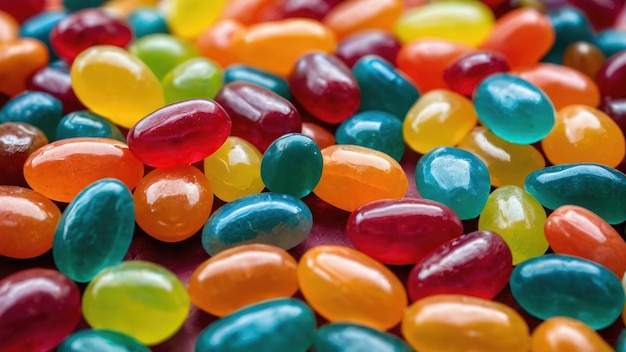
(249, 12)
(601, 13)
(620, 344)
(570, 25)
(17, 141)
(610, 42)
(430, 323)
(584, 134)
(373, 42)
(522, 36)
(377, 130)
(87, 28)
(18, 61)
(353, 176)
(258, 114)
(172, 204)
(467, 22)
(100, 340)
(264, 79)
(38, 309)
(22, 10)
(519, 218)
(597, 188)
(314, 9)
(439, 118)
(319, 134)
(85, 123)
(187, 18)
(478, 264)
(325, 87)
(113, 83)
(241, 276)
(584, 57)
(268, 218)
(616, 109)
(216, 42)
(292, 165)
(402, 231)
(353, 16)
(234, 170)
(40, 27)
(611, 75)
(60, 170)
(275, 325)
(256, 46)
(76, 5)
(90, 237)
(38, 109)
(194, 78)
(343, 284)
(508, 163)
(346, 337)
(560, 285)
(56, 82)
(514, 109)
(123, 8)
(561, 334)
(9, 28)
(116, 300)
(162, 52)
(383, 87)
(455, 178)
(145, 21)
(464, 73)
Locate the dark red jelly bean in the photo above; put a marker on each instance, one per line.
(477, 264)
(380, 43)
(22, 9)
(314, 9)
(259, 115)
(402, 231)
(56, 82)
(17, 142)
(325, 87)
(601, 13)
(464, 73)
(612, 75)
(616, 109)
(181, 133)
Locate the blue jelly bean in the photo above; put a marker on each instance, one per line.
(272, 326)
(292, 165)
(596, 187)
(514, 109)
(269, 218)
(76, 5)
(559, 285)
(570, 25)
(145, 21)
(456, 178)
(373, 129)
(40, 26)
(347, 337)
(85, 123)
(620, 344)
(39, 109)
(264, 79)
(95, 230)
(101, 341)
(611, 41)
(383, 87)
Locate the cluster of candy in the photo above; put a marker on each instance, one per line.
(141, 112)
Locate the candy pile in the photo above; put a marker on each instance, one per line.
(327, 175)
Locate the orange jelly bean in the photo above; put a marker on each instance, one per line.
(243, 275)
(343, 284)
(19, 60)
(353, 176)
(9, 28)
(27, 222)
(562, 334)
(60, 170)
(216, 42)
(353, 16)
(249, 12)
(319, 134)
(457, 323)
(584, 57)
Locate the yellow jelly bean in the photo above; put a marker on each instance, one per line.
(188, 18)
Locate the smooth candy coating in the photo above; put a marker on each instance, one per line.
(464, 73)
(194, 78)
(610, 42)
(620, 344)
(353, 16)
(38, 309)
(75, 5)
(85, 123)
(181, 133)
(251, 74)
(162, 52)
(353, 176)
(561, 334)
(314, 9)
(116, 300)
(9, 27)
(602, 14)
(519, 218)
(584, 57)
(38, 109)
(100, 340)
(217, 41)
(343, 284)
(373, 42)
(56, 82)
(346, 337)
(19, 60)
(570, 25)
(475, 323)
(319, 134)
(17, 141)
(268, 218)
(595, 187)
(145, 21)
(611, 75)
(40, 26)
(241, 276)
(251, 11)
(187, 18)
(377, 130)
(270, 326)
(616, 109)
(560, 285)
(60, 170)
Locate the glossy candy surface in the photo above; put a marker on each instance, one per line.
(145, 21)
(371, 42)
(38, 109)
(194, 78)
(610, 42)
(56, 82)
(85, 123)
(377, 130)
(187, 18)
(346, 337)
(570, 25)
(101, 340)
(464, 73)
(40, 26)
(162, 52)
(584, 57)
(265, 79)
(561, 334)
(319, 134)
(611, 75)
(18, 61)
(217, 41)
(17, 141)
(353, 16)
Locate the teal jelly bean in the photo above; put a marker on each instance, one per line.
(346, 337)
(377, 130)
(292, 165)
(383, 87)
(611, 41)
(95, 230)
(620, 344)
(76, 5)
(559, 285)
(194, 78)
(598, 188)
(270, 218)
(145, 21)
(85, 123)
(514, 109)
(264, 79)
(101, 340)
(278, 325)
(570, 25)
(39, 109)
(456, 178)
(40, 26)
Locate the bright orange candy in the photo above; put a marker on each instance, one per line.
(249, 12)
(60, 170)
(216, 42)
(353, 16)
(19, 59)
(9, 28)
(562, 334)
(28, 221)
(523, 36)
(319, 134)
(343, 284)
(241, 276)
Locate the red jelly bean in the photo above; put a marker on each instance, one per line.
(402, 231)
(381, 43)
(22, 9)
(313, 9)
(17, 142)
(478, 264)
(601, 13)
(464, 73)
(612, 76)
(181, 133)
(259, 115)
(325, 87)
(616, 109)
(56, 82)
